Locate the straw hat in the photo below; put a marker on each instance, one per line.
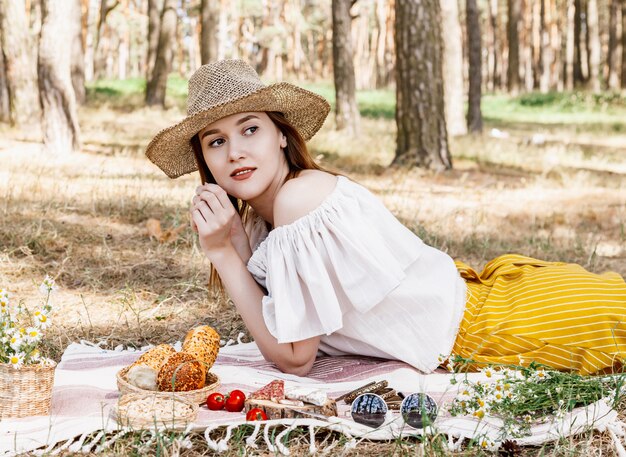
(226, 87)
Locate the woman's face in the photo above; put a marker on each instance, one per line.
(243, 152)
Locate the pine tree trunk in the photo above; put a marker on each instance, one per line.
(586, 48)
(557, 13)
(20, 65)
(537, 10)
(5, 111)
(493, 68)
(594, 46)
(570, 50)
(209, 14)
(474, 115)
(346, 110)
(421, 125)
(612, 58)
(546, 49)
(101, 59)
(78, 52)
(527, 40)
(623, 71)
(513, 79)
(154, 21)
(578, 43)
(61, 134)
(453, 67)
(155, 90)
(381, 27)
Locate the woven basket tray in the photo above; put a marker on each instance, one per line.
(140, 411)
(197, 396)
(26, 391)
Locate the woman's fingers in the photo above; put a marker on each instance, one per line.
(216, 190)
(212, 200)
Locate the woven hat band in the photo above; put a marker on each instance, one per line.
(212, 86)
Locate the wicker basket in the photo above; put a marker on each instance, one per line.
(139, 411)
(26, 391)
(197, 396)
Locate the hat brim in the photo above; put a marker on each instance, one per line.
(171, 148)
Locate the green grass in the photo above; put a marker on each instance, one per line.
(604, 111)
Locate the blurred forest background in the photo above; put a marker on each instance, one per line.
(427, 50)
(504, 122)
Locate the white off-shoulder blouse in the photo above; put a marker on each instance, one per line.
(350, 272)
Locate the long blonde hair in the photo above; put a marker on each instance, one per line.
(298, 159)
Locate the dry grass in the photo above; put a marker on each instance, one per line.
(82, 220)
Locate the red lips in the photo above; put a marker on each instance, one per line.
(238, 170)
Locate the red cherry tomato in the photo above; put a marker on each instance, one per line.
(256, 414)
(235, 401)
(215, 401)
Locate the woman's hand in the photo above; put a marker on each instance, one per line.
(217, 222)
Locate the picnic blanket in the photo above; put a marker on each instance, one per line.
(85, 392)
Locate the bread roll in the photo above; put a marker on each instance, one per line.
(190, 376)
(142, 376)
(203, 343)
(155, 357)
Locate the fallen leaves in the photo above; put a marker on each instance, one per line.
(163, 236)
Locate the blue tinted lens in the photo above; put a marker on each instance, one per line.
(369, 409)
(418, 410)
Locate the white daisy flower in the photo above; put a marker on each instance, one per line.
(488, 371)
(16, 341)
(35, 355)
(487, 444)
(32, 334)
(47, 286)
(17, 360)
(41, 319)
(4, 307)
(540, 375)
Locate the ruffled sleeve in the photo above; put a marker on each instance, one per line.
(345, 255)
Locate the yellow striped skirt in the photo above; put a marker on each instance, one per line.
(554, 313)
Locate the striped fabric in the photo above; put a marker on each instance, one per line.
(554, 313)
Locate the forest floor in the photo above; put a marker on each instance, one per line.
(547, 179)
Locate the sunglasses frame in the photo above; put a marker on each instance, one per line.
(427, 404)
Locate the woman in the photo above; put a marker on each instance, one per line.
(322, 265)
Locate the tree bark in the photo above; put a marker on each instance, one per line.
(5, 110)
(546, 49)
(594, 45)
(99, 60)
(578, 55)
(528, 38)
(154, 21)
(61, 134)
(453, 67)
(155, 90)
(208, 31)
(623, 78)
(78, 52)
(570, 50)
(493, 68)
(513, 79)
(421, 125)
(612, 59)
(20, 65)
(346, 111)
(474, 115)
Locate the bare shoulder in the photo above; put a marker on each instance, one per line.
(301, 195)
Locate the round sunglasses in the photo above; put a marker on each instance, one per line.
(418, 410)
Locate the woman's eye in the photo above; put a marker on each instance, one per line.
(217, 142)
(250, 130)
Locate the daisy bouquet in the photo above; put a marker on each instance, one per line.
(525, 395)
(21, 329)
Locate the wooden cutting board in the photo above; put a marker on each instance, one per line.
(280, 411)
